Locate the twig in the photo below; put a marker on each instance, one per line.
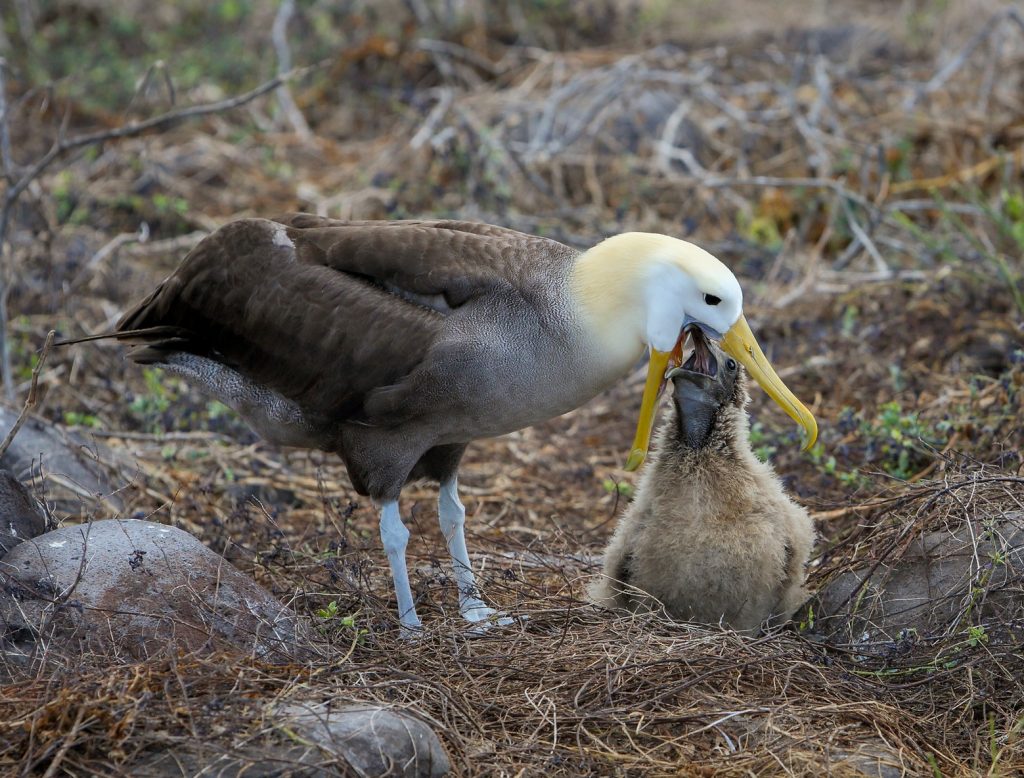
(5, 130)
(161, 437)
(666, 144)
(30, 401)
(976, 171)
(421, 10)
(5, 157)
(111, 247)
(26, 22)
(166, 246)
(68, 741)
(450, 49)
(161, 122)
(780, 181)
(437, 113)
(865, 240)
(279, 36)
(144, 82)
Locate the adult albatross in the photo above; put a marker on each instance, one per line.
(395, 344)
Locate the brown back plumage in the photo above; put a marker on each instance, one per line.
(326, 312)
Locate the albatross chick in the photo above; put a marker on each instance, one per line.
(711, 535)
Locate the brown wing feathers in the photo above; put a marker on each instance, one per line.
(454, 260)
(316, 321)
(327, 312)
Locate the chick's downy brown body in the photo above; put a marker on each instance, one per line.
(711, 535)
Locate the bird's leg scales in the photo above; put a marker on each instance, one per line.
(452, 515)
(395, 536)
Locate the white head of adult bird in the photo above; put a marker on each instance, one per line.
(659, 287)
(395, 344)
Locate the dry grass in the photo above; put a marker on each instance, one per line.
(570, 690)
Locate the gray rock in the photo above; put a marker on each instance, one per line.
(371, 739)
(943, 582)
(71, 469)
(362, 740)
(21, 517)
(137, 587)
(872, 759)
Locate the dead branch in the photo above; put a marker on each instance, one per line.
(5, 157)
(143, 85)
(108, 249)
(279, 36)
(32, 399)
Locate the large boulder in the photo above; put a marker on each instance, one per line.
(75, 473)
(313, 740)
(941, 582)
(137, 587)
(21, 516)
(371, 739)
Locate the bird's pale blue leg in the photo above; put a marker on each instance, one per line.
(453, 522)
(395, 537)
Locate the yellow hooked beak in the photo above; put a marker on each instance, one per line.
(656, 369)
(739, 342)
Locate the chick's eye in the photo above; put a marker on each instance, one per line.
(710, 299)
(731, 364)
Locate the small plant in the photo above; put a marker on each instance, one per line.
(155, 402)
(76, 419)
(762, 443)
(215, 409)
(762, 231)
(618, 487)
(848, 322)
(829, 466)
(976, 636)
(333, 619)
(156, 391)
(899, 441)
(330, 611)
(808, 623)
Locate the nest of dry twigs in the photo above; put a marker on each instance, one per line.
(571, 690)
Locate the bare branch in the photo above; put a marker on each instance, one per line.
(161, 122)
(108, 249)
(778, 181)
(143, 85)
(26, 19)
(437, 113)
(5, 158)
(859, 232)
(32, 399)
(5, 128)
(279, 37)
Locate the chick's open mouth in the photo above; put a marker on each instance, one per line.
(701, 359)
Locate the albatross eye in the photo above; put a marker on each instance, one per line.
(731, 364)
(710, 299)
